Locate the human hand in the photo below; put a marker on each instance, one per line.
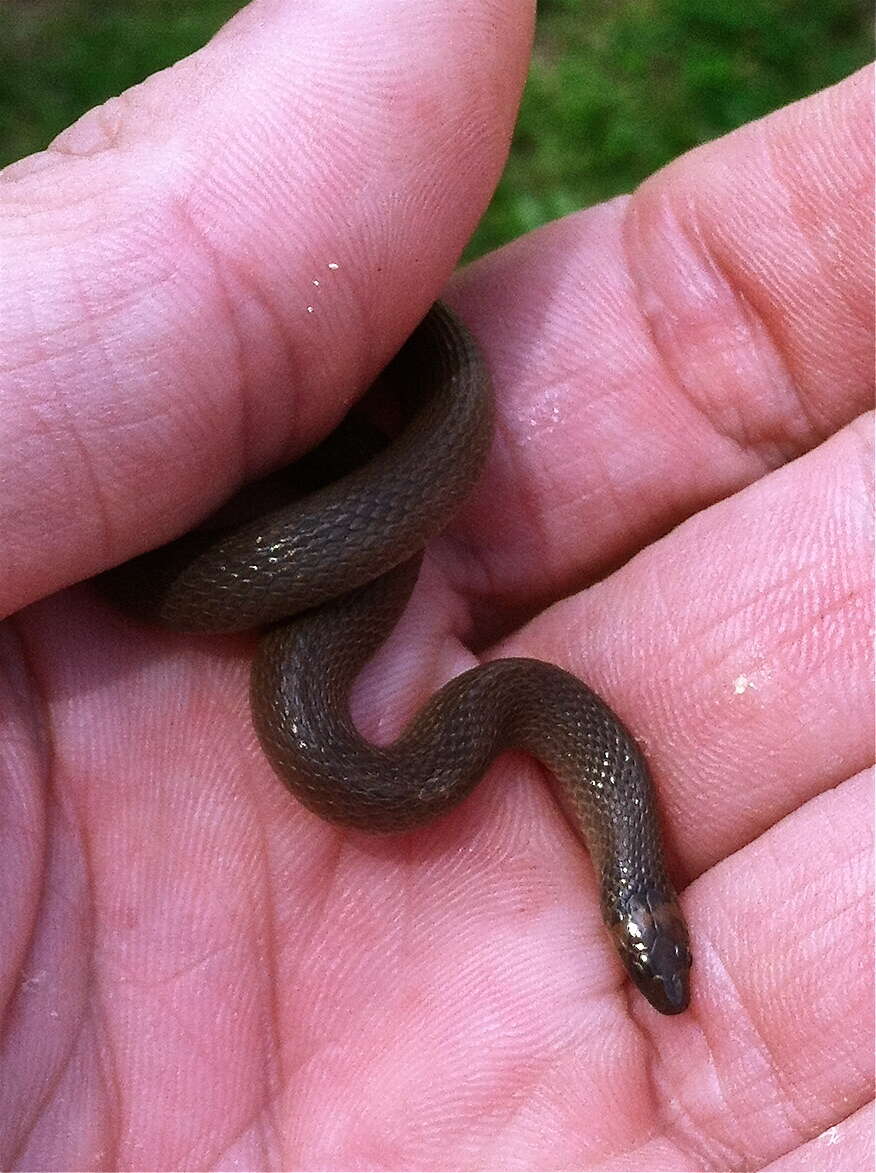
(196, 972)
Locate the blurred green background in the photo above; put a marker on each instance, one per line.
(616, 88)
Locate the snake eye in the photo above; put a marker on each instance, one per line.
(653, 944)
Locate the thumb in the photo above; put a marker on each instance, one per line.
(200, 274)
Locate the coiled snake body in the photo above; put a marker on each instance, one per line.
(331, 572)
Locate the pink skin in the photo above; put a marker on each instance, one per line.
(195, 972)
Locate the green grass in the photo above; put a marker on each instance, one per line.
(615, 94)
(616, 89)
(58, 58)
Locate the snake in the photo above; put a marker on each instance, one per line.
(323, 558)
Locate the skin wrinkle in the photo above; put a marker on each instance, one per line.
(78, 467)
(816, 1136)
(170, 1014)
(572, 1040)
(779, 809)
(263, 1124)
(804, 632)
(756, 292)
(675, 1123)
(503, 450)
(457, 562)
(69, 428)
(169, 978)
(272, 1047)
(61, 1066)
(707, 948)
(786, 637)
(861, 430)
(751, 293)
(520, 1103)
(89, 984)
(101, 511)
(255, 1132)
(611, 490)
(109, 314)
(656, 1111)
(502, 1122)
(112, 1088)
(32, 207)
(855, 313)
(337, 848)
(787, 1093)
(32, 698)
(710, 264)
(103, 128)
(205, 250)
(772, 453)
(644, 297)
(304, 373)
(26, 1129)
(327, 896)
(814, 226)
(681, 1127)
(326, 1039)
(567, 379)
(793, 1116)
(839, 909)
(799, 575)
(515, 454)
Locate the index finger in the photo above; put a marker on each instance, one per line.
(658, 353)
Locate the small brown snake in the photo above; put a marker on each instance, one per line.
(330, 573)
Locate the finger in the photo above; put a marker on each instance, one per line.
(773, 1052)
(214, 263)
(25, 755)
(841, 1148)
(739, 648)
(654, 355)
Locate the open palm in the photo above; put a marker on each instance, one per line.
(197, 973)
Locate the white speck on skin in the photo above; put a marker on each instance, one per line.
(743, 684)
(333, 265)
(315, 282)
(547, 411)
(830, 1135)
(310, 309)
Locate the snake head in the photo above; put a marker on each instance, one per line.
(652, 940)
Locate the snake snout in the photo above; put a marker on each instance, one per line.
(652, 940)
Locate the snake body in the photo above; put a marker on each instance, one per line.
(331, 571)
